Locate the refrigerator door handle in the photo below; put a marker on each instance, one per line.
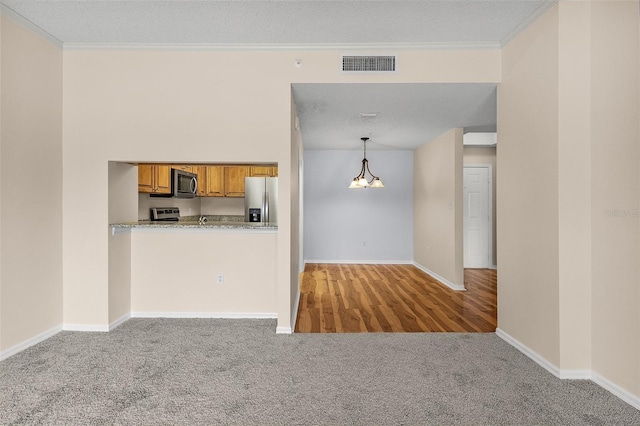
(265, 206)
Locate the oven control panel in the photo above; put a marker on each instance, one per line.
(165, 213)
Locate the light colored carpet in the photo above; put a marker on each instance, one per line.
(205, 371)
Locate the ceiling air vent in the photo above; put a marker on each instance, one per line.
(351, 63)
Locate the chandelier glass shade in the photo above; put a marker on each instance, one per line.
(361, 181)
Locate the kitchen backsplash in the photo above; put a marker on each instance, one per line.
(189, 206)
(222, 206)
(192, 206)
(214, 218)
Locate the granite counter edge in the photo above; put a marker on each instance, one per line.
(193, 226)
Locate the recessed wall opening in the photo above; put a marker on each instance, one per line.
(376, 244)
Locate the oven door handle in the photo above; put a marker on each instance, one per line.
(193, 185)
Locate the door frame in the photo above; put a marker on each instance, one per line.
(489, 168)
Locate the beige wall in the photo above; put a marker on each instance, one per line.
(217, 106)
(296, 214)
(615, 174)
(175, 271)
(31, 191)
(196, 106)
(141, 116)
(527, 199)
(574, 185)
(437, 201)
(568, 192)
(485, 155)
(123, 199)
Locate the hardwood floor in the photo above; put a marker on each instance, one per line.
(345, 298)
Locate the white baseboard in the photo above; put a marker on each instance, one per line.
(575, 374)
(621, 393)
(540, 360)
(95, 327)
(360, 262)
(294, 316)
(30, 342)
(85, 327)
(119, 321)
(444, 281)
(604, 383)
(222, 315)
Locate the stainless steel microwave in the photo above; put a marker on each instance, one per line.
(183, 185)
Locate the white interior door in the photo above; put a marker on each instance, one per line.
(477, 217)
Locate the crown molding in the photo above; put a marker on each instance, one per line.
(10, 13)
(541, 10)
(280, 46)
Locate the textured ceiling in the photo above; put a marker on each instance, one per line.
(408, 115)
(277, 22)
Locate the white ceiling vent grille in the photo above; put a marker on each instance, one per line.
(368, 63)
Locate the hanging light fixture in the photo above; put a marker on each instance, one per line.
(361, 181)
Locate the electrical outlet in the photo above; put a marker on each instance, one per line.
(364, 243)
(220, 278)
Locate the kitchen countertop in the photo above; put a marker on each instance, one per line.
(189, 224)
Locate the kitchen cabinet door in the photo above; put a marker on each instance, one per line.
(234, 180)
(201, 173)
(214, 181)
(154, 179)
(163, 179)
(264, 171)
(261, 171)
(145, 179)
(184, 168)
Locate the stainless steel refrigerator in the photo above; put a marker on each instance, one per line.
(261, 200)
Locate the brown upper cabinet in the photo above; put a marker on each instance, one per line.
(264, 171)
(234, 180)
(201, 175)
(184, 167)
(154, 179)
(214, 186)
(213, 180)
